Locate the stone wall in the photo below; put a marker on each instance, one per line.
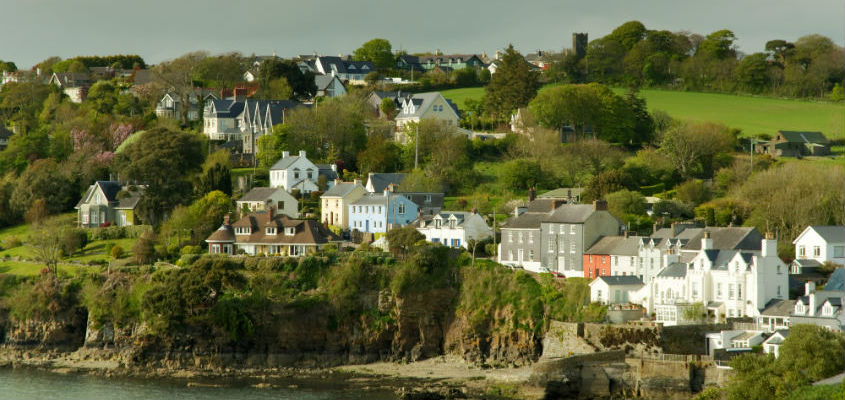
(687, 339)
(565, 339)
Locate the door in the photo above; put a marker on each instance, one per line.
(561, 263)
(520, 255)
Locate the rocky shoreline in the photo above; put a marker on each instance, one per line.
(405, 380)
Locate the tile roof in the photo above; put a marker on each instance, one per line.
(306, 231)
(778, 308)
(224, 233)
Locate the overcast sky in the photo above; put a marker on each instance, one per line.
(32, 30)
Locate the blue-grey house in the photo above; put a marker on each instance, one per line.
(379, 212)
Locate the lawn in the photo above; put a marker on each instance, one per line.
(23, 268)
(752, 114)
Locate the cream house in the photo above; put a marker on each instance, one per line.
(261, 198)
(336, 201)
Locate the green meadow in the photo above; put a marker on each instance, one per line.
(751, 114)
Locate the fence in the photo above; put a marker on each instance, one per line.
(680, 358)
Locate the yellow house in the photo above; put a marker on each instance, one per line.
(335, 201)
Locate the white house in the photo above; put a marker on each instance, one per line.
(378, 213)
(221, 119)
(822, 307)
(352, 71)
(822, 244)
(733, 340)
(329, 86)
(614, 289)
(453, 228)
(170, 105)
(772, 344)
(729, 283)
(261, 198)
(294, 172)
(431, 105)
(74, 85)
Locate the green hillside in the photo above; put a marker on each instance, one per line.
(751, 114)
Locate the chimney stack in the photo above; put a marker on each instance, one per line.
(356, 181)
(809, 288)
(770, 246)
(706, 241)
(271, 213)
(302, 153)
(226, 219)
(338, 181)
(599, 205)
(285, 154)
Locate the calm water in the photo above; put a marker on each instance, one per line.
(38, 385)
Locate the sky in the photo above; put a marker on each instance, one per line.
(157, 30)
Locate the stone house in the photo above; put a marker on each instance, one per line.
(796, 144)
(108, 203)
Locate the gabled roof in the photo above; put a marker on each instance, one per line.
(804, 137)
(260, 194)
(830, 233)
(305, 231)
(224, 233)
(225, 108)
(616, 246)
(323, 81)
(341, 189)
(727, 238)
(327, 171)
(778, 308)
(621, 280)
(571, 213)
(446, 216)
(379, 181)
(110, 190)
(674, 270)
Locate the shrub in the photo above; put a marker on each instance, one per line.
(12, 242)
(190, 250)
(116, 252)
(73, 240)
(144, 249)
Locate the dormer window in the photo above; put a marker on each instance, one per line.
(453, 223)
(270, 230)
(290, 231)
(799, 308)
(243, 230)
(827, 310)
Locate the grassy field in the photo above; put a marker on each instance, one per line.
(751, 114)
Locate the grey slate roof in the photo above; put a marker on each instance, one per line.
(804, 137)
(674, 270)
(831, 233)
(381, 180)
(340, 189)
(727, 238)
(778, 308)
(327, 171)
(621, 280)
(259, 194)
(323, 81)
(571, 213)
(616, 245)
(836, 281)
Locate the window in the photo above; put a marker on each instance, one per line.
(530, 237)
(428, 198)
(551, 228)
(510, 255)
(719, 290)
(572, 248)
(510, 238)
(438, 221)
(778, 291)
(838, 251)
(614, 261)
(271, 231)
(520, 237)
(802, 251)
(296, 173)
(290, 231)
(456, 242)
(739, 291)
(572, 229)
(551, 244)
(530, 255)
(402, 208)
(453, 224)
(817, 251)
(730, 291)
(562, 229)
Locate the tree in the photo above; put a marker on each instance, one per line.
(165, 161)
(752, 73)
(301, 83)
(521, 174)
(811, 353)
(380, 155)
(144, 249)
(378, 51)
(46, 180)
(217, 177)
(199, 219)
(718, 45)
(465, 77)
(694, 148)
(401, 240)
(695, 312)
(46, 243)
(178, 75)
(102, 97)
(628, 34)
(592, 106)
(223, 70)
(512, 86)
(625, 202)
(73, 240)
(388, 108)
(606, 182)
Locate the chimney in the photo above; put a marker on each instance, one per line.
(285, 154)
(302, 153)
(338, 181)
(226, 219)
(809, 288)
(271, 213)
(599, 205)
(770, 246)
(334, 167)
(670, 257)
(532, 194)
(812, 297)
(706, 241)
(474, 210)
(386, 190)
(356, 181)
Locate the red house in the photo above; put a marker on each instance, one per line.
(596, 265)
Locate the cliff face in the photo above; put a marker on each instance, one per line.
(412, 328)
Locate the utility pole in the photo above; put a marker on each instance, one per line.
(417, 146)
